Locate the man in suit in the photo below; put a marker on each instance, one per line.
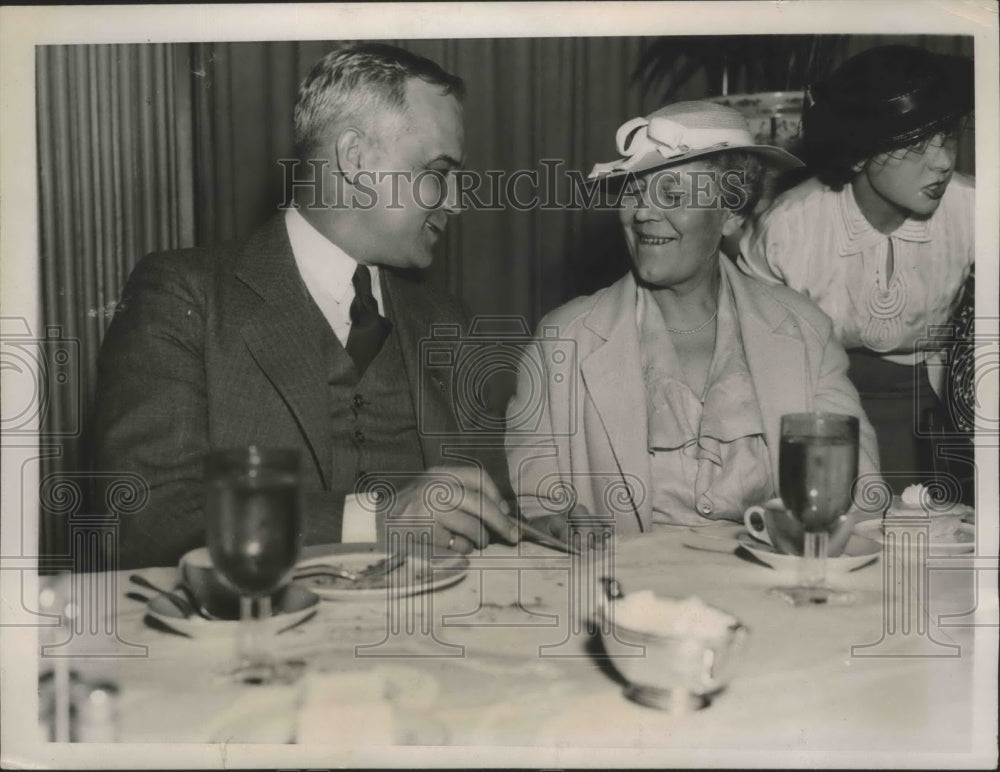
(307, 333)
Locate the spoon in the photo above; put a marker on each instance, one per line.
(140, 598)
(202, 610)
(182, 605)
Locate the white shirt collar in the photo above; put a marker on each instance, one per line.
(326, 269)
(858, 234)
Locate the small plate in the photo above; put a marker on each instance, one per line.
(297, 604)
(963, 540)
(858, 552)
(415, 575)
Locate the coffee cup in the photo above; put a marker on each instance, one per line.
(774, 525)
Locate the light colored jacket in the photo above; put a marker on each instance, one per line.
(576, 427)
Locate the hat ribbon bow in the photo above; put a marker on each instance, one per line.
(639, 137)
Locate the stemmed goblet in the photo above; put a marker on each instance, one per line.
(253, 514)
(817, 469)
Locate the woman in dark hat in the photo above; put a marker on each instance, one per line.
(659, 399)
(881, 238)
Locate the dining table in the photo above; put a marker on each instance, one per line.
(504, 664)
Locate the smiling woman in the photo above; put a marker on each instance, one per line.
(683, 367)
(672, 221)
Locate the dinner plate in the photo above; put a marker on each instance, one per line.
(415, 575)
(961, 541)
(297, 604)
(858, 552)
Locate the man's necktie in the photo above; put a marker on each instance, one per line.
(368, 329)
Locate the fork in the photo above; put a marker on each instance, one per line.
(324, 569)
(328, 569)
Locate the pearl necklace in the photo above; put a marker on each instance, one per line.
(699, 328)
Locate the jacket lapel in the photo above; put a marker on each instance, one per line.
(775, 354)
(612, 376)
(282, 337)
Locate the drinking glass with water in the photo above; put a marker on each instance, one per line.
(254, 524)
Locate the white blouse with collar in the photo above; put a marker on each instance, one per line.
(817, 241)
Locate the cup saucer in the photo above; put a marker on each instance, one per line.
(297, 603)
(858, 552)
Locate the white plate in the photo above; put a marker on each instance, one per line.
(963, 540)
(858, 552)
(298, 603)
(415, 575)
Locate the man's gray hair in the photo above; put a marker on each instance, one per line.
(353, 84)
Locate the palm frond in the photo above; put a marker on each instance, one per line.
(752, 62)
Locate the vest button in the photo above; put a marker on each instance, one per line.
(358, 401)
(359, 436)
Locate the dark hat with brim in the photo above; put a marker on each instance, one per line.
(888, 97)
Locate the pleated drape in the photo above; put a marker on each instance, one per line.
(115, 182)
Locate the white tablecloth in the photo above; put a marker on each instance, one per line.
(500, 659)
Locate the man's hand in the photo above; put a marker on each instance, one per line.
(558, 525)
(464, 503)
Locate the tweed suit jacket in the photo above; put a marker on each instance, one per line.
(219, 347)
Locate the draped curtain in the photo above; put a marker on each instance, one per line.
(149, 147)
(114, 181)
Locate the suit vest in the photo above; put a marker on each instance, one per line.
(373, 423)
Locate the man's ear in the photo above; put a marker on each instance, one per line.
(857, 166)
(349, 153)
(733, 223)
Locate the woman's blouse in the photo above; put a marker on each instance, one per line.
(818, 242)
(708, 456)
